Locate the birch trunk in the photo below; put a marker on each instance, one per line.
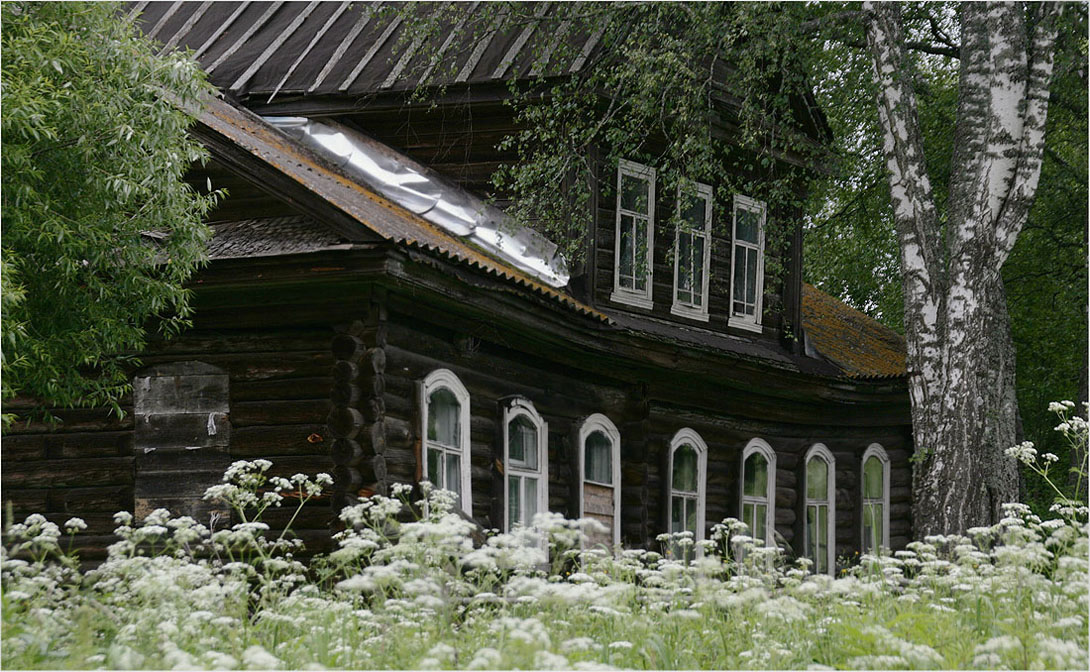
(960, 352)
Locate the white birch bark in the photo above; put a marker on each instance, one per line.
(960, 353)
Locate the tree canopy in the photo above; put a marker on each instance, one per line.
(100, 230)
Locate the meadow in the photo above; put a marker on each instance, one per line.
(409, 588)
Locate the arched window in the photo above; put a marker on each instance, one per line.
(820, 518)
(525, 461)
(444, 411)
(688, 482)
(759, 489)
(600, 476)
(875, 499)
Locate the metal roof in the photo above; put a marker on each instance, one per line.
(259, 49)
(389, 220)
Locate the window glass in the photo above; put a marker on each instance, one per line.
(434, 466)
(685, 468)
(530, 505)
(634, 193)
(627, 260)
(817, 535)
(755, 516)
(747, 226)
(698, 271)
(453, 472)
(872, 526)
(597, 463)
(514, 501)
(817, 479)
(640, 264)
(755, 476)
(872, 478)
(443, 410)
(739, 280)
(522, 449)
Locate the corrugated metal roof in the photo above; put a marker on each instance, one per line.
(254, 49)
(390, 221)
(857, 343)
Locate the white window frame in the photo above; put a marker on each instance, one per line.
(600, 423)
(752, 205)
(875, 450)
(688, 437)
(680, 308)
(513, 409)
(760, 446)
(820, 452)
(445, 379)
(625, 295)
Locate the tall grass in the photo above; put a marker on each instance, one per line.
(408, 588)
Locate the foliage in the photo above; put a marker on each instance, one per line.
(851, 246)
(670, 79)
(418, 592)
(100, 230)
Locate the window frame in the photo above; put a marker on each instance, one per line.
(512, 410)
(874, 450)
(600, 423)
(624, 295)
(751, 205)
(761, 446)
(678, 307)
(445, 379)
(689, 437)
(820, 452)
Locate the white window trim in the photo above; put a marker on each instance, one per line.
(820, 452)
(445, 379)
(741, 322)
(876, 450)
(600, 423)
(689, 437)
(680, 308)
(620, 294)
(762, 447)
(515, 408)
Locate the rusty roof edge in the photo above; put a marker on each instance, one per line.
(251, 133)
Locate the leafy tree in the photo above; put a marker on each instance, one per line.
(851, 239)
(100, 230)
(656, 77)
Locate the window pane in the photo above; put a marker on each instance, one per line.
(748, 510)
(523, 437)
(755, 476)
(443, 410)
(598, 459)
(822, 558)
(514, 501)
(811, 532)
(634, 194)
(739, 277)
(872, 527)
(684, 262)
(529, 504)
(677, 514)
(872, 478)
(751, 280)
(747, 224)
(698, 270)
(435, 462)
(690, 516)
(685, 465)
(641, 264)
(760, 515)
(453, 473)
(625, 263)
(817, 475)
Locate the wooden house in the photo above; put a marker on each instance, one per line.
(367, 313)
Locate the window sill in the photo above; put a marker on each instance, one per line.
(631, 299)
(682, 310)
(735, 323)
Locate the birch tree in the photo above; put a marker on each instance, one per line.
(960, 353)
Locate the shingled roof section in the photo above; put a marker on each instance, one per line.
(857, 343)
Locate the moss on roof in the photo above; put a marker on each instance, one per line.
(857, 343)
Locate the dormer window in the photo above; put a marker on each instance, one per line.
(634, 242)
(692, 252)
(747, 274)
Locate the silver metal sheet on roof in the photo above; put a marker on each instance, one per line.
(428, 194)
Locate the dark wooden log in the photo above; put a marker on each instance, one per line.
(73, 472)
